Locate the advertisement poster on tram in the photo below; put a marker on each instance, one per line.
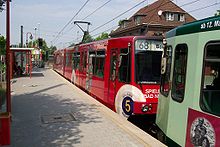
(202, 130)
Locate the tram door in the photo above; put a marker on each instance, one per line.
(112, 76)
(85, 69)
(89, 70)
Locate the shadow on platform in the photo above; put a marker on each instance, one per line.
(28, 109)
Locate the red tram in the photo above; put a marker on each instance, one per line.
(123, 73)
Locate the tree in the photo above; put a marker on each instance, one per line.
(88, 38)
(44, 48)
(102, 36)
(217, 13)
(52, 49)
(2, 45)
(35, 43)
(120, 22)
(72, 44)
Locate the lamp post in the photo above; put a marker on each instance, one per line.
(8, 61)
(35, 33)
(38, 30)
(31, 37)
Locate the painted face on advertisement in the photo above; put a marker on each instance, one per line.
(202, 133)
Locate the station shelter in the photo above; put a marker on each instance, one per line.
(23, 60)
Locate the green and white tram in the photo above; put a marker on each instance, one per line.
(189, 102)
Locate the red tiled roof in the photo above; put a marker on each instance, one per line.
(152, 17)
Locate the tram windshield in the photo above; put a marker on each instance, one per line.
(148, 55)
(210, 98)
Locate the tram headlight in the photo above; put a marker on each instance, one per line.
(146, 108)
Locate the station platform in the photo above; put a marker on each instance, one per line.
(49, 111)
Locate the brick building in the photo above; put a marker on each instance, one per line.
(154, 19)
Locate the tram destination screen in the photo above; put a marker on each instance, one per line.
(149, 45)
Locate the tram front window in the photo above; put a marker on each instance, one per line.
(148, 55)
(210, 98)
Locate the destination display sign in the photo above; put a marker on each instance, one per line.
(148, 45)
(210, 24)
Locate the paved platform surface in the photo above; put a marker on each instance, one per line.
(48, 111)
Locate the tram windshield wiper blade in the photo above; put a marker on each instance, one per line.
(147, 82)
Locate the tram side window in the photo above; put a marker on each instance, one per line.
(92, 62)
(165, 78)
(124, 73)
(69, 62)
(67, 59)
(210, 95)
(81, 61)
(99, 64)
(76, 60)
(85, 60)
(179, 72)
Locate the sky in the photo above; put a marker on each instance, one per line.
(46, 18)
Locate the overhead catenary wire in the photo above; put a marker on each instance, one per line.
(97, 9)
(198, 9)
(136, 6)
(100, 32)
(52, 33)
(54, 40)
(122, 13)
(90, 14)
(131, 9)
(189, 3)
(118, 16)
(104, 31)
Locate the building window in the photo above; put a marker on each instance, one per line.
(210, 91)
(170, 16)
(181, 17)
(124, 24)
(137, 20)
(179, 72)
